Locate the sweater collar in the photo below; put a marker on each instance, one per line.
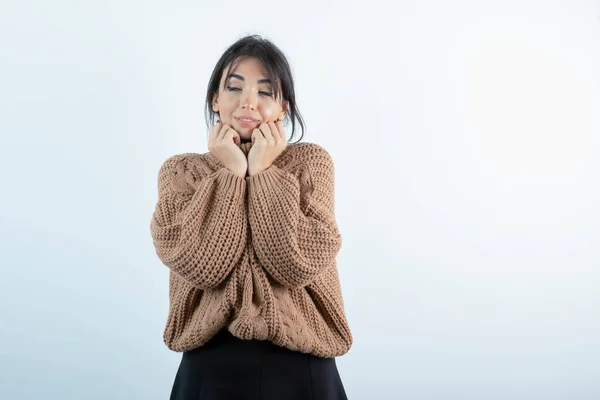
(245, 147)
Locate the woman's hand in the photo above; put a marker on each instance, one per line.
(269, 142)
(223, 142)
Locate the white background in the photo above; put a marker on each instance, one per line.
(466, 139)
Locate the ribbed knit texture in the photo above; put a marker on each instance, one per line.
(256, 254)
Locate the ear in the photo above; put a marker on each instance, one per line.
(284, 108)
(215, 102)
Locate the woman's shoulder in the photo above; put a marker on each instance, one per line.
(305, 153)
(307, 147)
(307, 150)
(181, 169)
(177, 161)
(190, 160)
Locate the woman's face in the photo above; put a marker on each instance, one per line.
(248, 94)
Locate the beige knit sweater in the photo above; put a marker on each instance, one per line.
(256, 254)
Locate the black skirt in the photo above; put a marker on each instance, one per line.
(229, 368)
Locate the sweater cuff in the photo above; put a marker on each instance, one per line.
(229, 180)
(267, 179)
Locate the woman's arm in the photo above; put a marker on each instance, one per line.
(199, 225)
(294, 232)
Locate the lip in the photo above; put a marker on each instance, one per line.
(246, 123)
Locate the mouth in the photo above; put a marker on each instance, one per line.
(246, 121)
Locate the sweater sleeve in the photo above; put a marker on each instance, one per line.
(199, 225)
(292, 219)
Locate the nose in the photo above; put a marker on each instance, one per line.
(249, 100)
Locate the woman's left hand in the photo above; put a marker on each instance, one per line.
(269, 142)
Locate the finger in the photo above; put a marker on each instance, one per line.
(236, 138)
(275, 135)
(281, 131)
(214, 130)
(232, 135)
(266, 130)
(257, 135)
(223, 132)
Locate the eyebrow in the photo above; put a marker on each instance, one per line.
(241, 78)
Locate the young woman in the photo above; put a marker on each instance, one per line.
(248, 232)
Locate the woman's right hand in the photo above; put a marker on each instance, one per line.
(223, 142)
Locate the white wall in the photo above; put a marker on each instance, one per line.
(466, 138)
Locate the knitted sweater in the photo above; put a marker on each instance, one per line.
(256, 254)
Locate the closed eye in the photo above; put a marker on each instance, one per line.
(233, 89)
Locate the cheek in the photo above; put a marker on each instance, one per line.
(269, 111)
(227, 103)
